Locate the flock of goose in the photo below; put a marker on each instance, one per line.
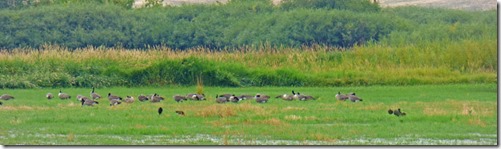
(223, 98)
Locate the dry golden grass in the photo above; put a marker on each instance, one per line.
(219, 110)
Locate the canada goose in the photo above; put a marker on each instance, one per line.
(88, 102)
(156, 98)
(308, 97)
(227, 96)
(245, 97)
(129, 99)
(285, 97)
(113, 97)
(94, 95)
(115, 101)
(262, 98)
(341, 97)
(300, 97)
(234, 98)
(354, 98)
(221, 99)
(142, 98)
(49, 96)
(6, 97)
(396, 112)
(180, 113)
(195, 96)
(160, 110)
(200, 97)
(179, 98)
(63, 95)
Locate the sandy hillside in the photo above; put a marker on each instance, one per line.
(453, 4)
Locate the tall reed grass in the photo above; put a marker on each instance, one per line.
(467, 61)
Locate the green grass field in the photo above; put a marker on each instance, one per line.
(453, 114)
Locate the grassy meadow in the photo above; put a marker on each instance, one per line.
(452, 114)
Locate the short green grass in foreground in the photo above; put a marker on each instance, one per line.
(456, 114)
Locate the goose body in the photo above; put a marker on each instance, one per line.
(179, 98)
(245, 97)
(88, 102)
(129, 99)
(354, 98)
(142, 98)
(62, 95)
(221, 99)
(341, 97)
(262, 98)
(285, 97)
(156, 98)
(49, 96)
(113, 97)
(115, 101)
(94, 95)
(79, 97)
(234, 99)
(6, 97)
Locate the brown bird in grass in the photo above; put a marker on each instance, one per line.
(94, 95)
(6, 97)
(49, 96)
(179, 98)
(285, 97)
(180, 113)
(354, 98)
(221, 99)
(142, 98)
(262, 98)
(341, 97)
(160, 110)
(396, 112)
(88, 102)
(129, 99)
(62, 95)
(156, 98)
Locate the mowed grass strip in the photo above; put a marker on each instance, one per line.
(459, 113)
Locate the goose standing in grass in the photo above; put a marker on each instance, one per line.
(262, 98)
(142, 98)
(88, 102)
(129, 99)
(341, 97)
(112, 97)
(179, 98)
(285, 97)
(354, 98)
(156, 98)
(94, 95)
(49, 96)
(221, 99)
(396, 112)
(62, 95)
